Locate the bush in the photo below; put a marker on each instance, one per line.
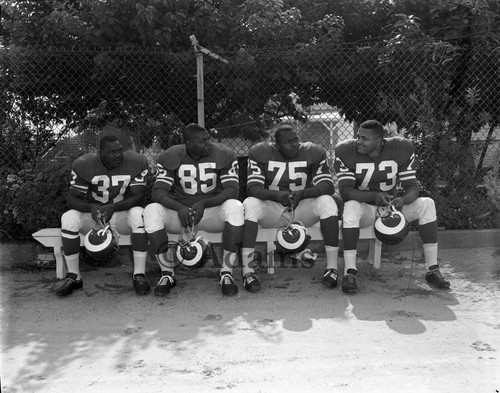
(463, 208)
(31, 201)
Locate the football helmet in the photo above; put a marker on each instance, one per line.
(293, 238)
(101, 243)
(391, 226)
(193, 253)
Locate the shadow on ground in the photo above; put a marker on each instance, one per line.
(106, 313)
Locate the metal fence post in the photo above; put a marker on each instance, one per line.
(199, 82)
(199, 76)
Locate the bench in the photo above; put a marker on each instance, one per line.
(51, 238)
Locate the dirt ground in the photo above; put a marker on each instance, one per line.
(396, 335)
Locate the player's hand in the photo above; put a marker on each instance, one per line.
(197, 211)
(185, 216)
(296, 196)
(398, 203)
(383, 199)
(107, 211)
(95, 211)
(284, 197)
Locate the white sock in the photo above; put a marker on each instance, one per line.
(73, 264)
(140, 262)
(430, 254)
(332, 254)
(229, 261)
(247, 257)
(349, 260)
(167, 261)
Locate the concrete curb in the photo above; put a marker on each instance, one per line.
(448, 239)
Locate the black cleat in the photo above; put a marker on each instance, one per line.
(350, 281)
(141, 285)
(435, 278)
(228, 284)
(163, 287)
(330, 278)
(251, 283)
(69, 285)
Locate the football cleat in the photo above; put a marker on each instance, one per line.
(350, 281)
(164, 285)
(69, 285)
(251, 283)
(141, 285)
(435, 278)
(391, 227)
(330, 278)
(228, 284)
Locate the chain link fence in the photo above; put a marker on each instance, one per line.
(57, 103)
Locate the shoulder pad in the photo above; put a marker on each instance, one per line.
(262, 151)
(172, 157)
(84, 161)
(223, 152)
(402, 146)
(345, 147)
(313, 149)
(134, 156)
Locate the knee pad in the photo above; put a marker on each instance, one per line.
(352, 214)
(326, 207)
(253, 209)
(233, 212)
(71, 221)
(135, 219)
(426, 210)
(153, 217)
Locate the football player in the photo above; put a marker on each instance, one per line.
(110, 184)
(196, 185)
(369, 169)
(289, 174)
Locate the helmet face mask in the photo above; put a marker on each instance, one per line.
(391, 228)
(101, 243)
(293, 239)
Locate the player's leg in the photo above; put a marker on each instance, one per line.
(139, 238)
(424, 210)
(228, 217)
(72, 222)
(156, 220)
(356, 214)
(268, 215)
(325, 209)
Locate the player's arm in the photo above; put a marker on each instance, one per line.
(348, 190)
(77, 195)
(408, 179)
(283, 197)
(256, 181)
(322, 182)
(136, 197)
(230, 189)
(77, 200)
(350, 193)
(161, 194)
(136, 194)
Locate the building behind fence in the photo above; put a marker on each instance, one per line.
(56, 104)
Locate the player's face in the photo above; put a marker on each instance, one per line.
(368, 142)
(288, 144)
(199, 144)
(112, 154)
